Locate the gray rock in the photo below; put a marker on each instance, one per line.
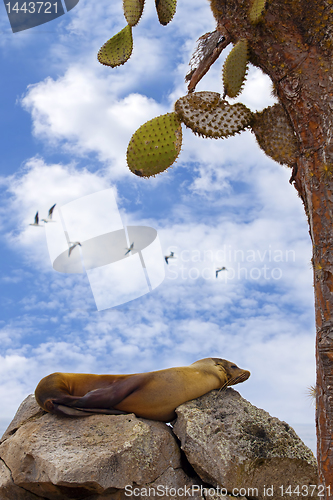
(28, 410)
(232, 444)
(56, 457)
(9, 490)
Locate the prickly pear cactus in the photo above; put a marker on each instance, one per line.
(275, 134)
(257, 10)
(165, 10)
(155, 145)
(210, 116)
(235, 68)
(118, 49)
(133, 10)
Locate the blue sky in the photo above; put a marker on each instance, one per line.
(66, 121)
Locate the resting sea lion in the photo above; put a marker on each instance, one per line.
(152, 395)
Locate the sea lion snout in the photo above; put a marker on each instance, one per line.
(234, 374)
(244, 375)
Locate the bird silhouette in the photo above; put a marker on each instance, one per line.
(220, 269)
(49, 217)
(129, 249)
(171, 256)
(72, 245)
(36, 222)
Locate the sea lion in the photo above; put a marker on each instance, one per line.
(152, 395)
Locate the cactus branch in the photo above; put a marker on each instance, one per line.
(208, 50)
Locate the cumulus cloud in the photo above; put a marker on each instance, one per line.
(80, 110)
(36, 188)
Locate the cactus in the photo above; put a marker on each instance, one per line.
(256, 10)
(210, 116)
(118, 49)
(133, 10)
(235, 68)
(275, 134)
(165, 10)
(155, 145)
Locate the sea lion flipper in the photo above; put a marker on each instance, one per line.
(84, 412)
(70, 412)
(108, 397)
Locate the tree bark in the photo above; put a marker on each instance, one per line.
(293, 45)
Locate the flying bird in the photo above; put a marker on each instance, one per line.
(171, 256)
(49, 217)
(220, 269)
(36, 223)
(129, 249)
(72, 245)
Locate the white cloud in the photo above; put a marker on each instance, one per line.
(37, 188)
(80, 110)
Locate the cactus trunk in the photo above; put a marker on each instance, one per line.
(293, 45)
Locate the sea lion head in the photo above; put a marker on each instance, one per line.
(228, 372)
(234, 374)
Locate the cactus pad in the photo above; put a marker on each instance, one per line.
(165, 10)
(133, 10)
(155, 145)
(256, 10)
(118, 49)
(235, 68)
(210, 116)
(275, 134)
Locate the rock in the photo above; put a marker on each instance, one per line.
(227, 441)
(58, 458)
(9, 490)
(28, 410)
(232, 444)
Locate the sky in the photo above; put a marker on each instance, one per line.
(66, 121)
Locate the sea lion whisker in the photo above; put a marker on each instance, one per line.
(224, 386)
(234, 380)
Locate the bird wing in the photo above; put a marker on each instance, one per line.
(51, 211)
(36, 218)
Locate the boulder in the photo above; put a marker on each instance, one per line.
(9, 490)
(59, 458)
(232, 444)
(230, 447)
(28, 410)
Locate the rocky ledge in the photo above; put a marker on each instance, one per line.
(220, 446)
